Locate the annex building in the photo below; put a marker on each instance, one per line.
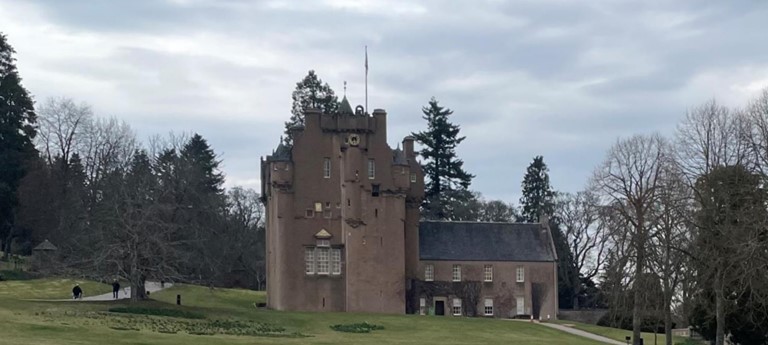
(344, 232)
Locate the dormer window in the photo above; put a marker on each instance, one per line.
(323, 243)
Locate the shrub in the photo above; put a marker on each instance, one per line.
(363, 327)
(158, 312)
(651, 323)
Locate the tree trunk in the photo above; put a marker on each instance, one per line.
(719, 308)
(576, 290)
(668, 319)
(638, 285)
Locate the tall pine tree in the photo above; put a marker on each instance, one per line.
(17, 130)
(539, 200)
(310, 92)
(448, 185)
(538, 197)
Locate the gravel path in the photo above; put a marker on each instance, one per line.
(583, 334)
(125, 293)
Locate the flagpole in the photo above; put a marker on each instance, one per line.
(366, 79)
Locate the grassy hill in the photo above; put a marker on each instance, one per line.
(228, 316)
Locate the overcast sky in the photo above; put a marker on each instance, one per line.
(562, 79)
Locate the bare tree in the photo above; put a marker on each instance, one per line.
(670, 233)
(62, 123)
(587, 237)
(629, 181)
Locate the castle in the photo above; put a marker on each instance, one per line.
(344, 232)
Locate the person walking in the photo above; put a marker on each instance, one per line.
(77, 292)
(115, 289)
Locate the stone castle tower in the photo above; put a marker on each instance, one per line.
(342, 215)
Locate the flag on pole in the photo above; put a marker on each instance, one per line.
(366, 60)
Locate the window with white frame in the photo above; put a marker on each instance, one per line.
(457, 273)
(318, 207)
(488, 273)
(309, 260)
(456, 306)
(520, 275)
(429, 273)
(326, 168)
(371, 169)
(422, 306)
(488, 307)
(322, 260)
(323, 243)
(336, 261)
(413, 178)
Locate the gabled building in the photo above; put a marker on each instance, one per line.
(344, 234)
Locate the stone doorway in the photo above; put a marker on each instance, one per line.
(440, 308)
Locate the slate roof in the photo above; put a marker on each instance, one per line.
(479, 241)
(345, 108)
(398, 157)
(45, 246)
(282, 153)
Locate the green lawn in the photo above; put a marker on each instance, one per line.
(49, 288)
(616, 333)
(27, 322)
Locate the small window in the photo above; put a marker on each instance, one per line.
(309, 260)
(349, 203)
(375, 189)
(457, 273)
(413, 178)
(310, 213)
(274, 167)
(488, 307)
(335, 261)
(326, 168)
(318, 207)
(322, 260)
(456, 306)
(520, 275)
(422, 306)
(327, 214)
(338, 205)
(376, 212)
(488, 273)
(371, 169)
(429, 273)
(324, 243)
(327, 204)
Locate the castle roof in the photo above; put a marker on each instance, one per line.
(282, 153)
(345, 108)
(481, 241)
(398, 157)
(45, 246)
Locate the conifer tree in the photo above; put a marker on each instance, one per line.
(539, 200)
(17, 130)
(538, 197)
(448, 185)
(310, 92)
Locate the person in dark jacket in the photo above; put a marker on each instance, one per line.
(115, 289)
(77, 292)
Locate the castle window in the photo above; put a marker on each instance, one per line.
(422, 306)
(488, 307)
(309, 260)
(318, 207)
(322, 260)
(520, 274)
(413, 178)
(456, 307)
(310, 213)
(326, 168)
(338, 205)
(376, 212)
(327, 204)
(457, 273)
(324, 243)
(327, 214)
(429, 273)
(375, 190)
(371, 169)
(335, 261)
(488, 273)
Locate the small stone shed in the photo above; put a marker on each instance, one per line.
(44, 256)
